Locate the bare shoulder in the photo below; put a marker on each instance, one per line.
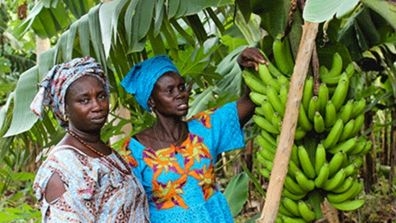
(55, 188)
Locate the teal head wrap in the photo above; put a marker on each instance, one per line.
(141, 78)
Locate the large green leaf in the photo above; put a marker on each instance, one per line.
(322, 10)
(236, 192)
(23, 119)
(387, 9)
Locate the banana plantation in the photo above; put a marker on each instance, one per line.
(321, 145)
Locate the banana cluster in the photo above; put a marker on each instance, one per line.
(328, 147)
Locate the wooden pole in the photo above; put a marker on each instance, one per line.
(283, 151)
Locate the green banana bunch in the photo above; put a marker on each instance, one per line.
(328, 145)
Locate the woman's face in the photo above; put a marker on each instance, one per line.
(170, 95)
(87, 104)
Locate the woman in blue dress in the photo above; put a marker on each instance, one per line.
(174, 159)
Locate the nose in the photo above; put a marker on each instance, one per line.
(97, 105)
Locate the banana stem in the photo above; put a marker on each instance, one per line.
(282, 156)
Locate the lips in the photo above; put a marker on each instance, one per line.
(182, 106)
(99, 119)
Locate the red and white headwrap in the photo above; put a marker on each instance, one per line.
(54, 86)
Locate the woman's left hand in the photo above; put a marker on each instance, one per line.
(250, 58)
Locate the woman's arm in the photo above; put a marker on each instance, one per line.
(249, 58)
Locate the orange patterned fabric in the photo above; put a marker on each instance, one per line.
(192, 150)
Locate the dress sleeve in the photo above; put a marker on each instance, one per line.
(227, 132)
(136, 151)
(79, 179)
(219, 128)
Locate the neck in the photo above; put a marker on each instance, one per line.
(85, 136)
(170, 131)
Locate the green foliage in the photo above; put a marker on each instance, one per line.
(17, 200)
(236, 192)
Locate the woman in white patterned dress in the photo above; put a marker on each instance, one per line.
(82, 178)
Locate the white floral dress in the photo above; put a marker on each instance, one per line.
(96, 191)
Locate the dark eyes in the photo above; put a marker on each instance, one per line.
(86, 100)
(180, 88)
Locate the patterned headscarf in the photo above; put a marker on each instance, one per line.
(141, 78)
(54, 86)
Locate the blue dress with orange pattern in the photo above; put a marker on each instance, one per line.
(180, 180)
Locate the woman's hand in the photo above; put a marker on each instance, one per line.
(250, 58)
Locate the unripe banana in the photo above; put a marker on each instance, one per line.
(253, 82)
(268, 164)
(274, 70)
(275, 101)
(323, 97)
(267, 136)
(335, 181)
(350, 170)
(313, 107)
(265, 144)
(259, 111)
(287, 219)
(283, 211)
(345, 186)
(346, 111)
(358, 107)
(332, 75)
(347, 131)
(348, 194)
(266, 77)
(305, 162)
(306, 184)
(340, 92)
(283, 91)
(330, 114)
(349, 205)
(334, 134)
(359, 122)
(350, 70)
(359, 147)
(266, 154)
(307, 92)
(367, 148)
(306, 211)
(293, 186)
(319, 124)
(336, 162)
(282, 55)
(292, 168)
(320, 158)
(277, 120)
(300, 133)
(265, 124)
(323, 176)
(294, 155)
(344, 146)
(293, 196)
(257, 98)
(336, 65)
(267, 109)
(291, 206)
(303, 120)
(265, 172)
